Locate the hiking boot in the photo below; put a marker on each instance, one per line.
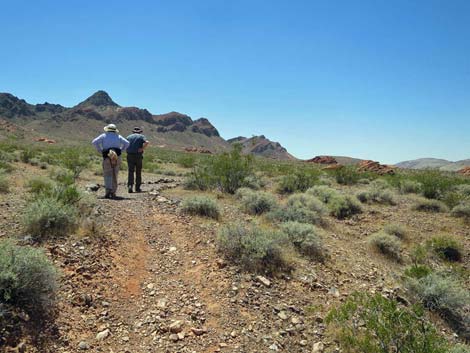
(138, 190)
(129, 189)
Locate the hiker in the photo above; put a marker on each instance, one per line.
(135, 154)
(110, 145)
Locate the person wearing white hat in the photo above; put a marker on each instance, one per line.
(110, 145)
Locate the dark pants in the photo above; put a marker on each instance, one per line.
(134, 164)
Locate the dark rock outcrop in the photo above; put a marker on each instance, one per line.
(99, 99)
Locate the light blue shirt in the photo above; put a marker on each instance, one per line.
(110, 140)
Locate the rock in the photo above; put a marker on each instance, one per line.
(102, 335)
(83, 345)
(282, 315)
(198, 331)
(150, 286)
(303, 343)
(318, 347)
(21, 348)
(334, 292)
(221, 263)
(263, 280)
(323, 160)
(161, 303)
(180, 335)
(172, 248)
(92, 187)
(376, 167)
(174, 337)
(176, 326)
(295, 320)
(274, 347)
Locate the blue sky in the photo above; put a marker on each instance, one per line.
(378, 79)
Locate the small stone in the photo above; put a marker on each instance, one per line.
(334, 292)
(263, 280)
(102, 335)
(176, 326)
(282, 315)
(174, 337)
(233, 334)
(318, 347)
(221, 263)
(223, 345)
(83, 345)
(180, 335)
(303, 343)
(295, 320)
(150, 286)
(274, 347)
(125, 339)
(161, 303)
(172, 248)
(198, 331)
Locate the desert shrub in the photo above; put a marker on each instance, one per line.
(258, 202)
(299, 180)
(34, 162)
(302, 208)
(430, 206)
(344, 206)
(6, 167)
(255, 249)
(4, 182)
(408, 186)
(200, 178)
(187, 161)
(202, 206)
(74, 160)
(347, 175)
(39, 185)
(28, 280)
(462, 211)
(306, 239)
(387, 244)
(378, 192)
(446, 247)
(396, 230)
(227, 172)
(322, 192)
(372, 324)
(460, 348)
(49, 217)
(434, 184)
(27, 154)
(464, 190)
(242, 192)
(62, 176)
(444, 295)
(417, 271)
(254, 182)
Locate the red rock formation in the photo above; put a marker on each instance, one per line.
(323, 160)
(376, 167)
(197, 150)
(465, 171)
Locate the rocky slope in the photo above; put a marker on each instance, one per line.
(260, 145)
(86, 119)
(441, 164)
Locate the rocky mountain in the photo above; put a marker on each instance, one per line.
(434, 163)
(260, 145)
(85, 120)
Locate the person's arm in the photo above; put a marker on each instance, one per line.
(124, 143)
(97, 143)
(144, 144)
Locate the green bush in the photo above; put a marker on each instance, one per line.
(407, 186)
(306, 239)
(375, 195)
(444, 295)
(255, 249)
(430, 206)
(347, 175)
(464, 190)
(446, 247)
(28, 280)
(418, 271)
(254, 182)
(39, 185)
(374, 324)
(396, 230)
(387, 244)
(74, 160)
(49, 217)
(258, 202)
(187, 161)
(434, 184)
(344, 206)
(298, 180)
(202, 206)
(27, 154)
(462, 211)
(301, 208)
(322, 192)
(4, 182)
(460, 348)
(226, 172)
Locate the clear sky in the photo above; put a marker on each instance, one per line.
(378, 79)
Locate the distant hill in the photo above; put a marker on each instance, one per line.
(261, 146)
(434, 163)
(86, 120)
